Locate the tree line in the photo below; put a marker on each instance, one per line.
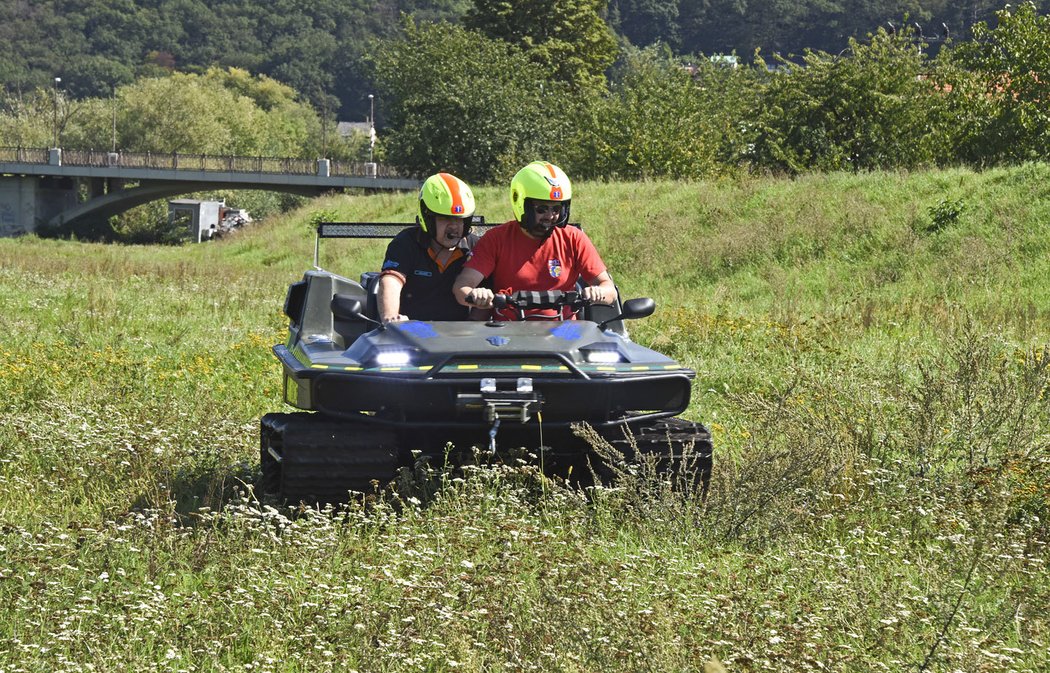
(321, 48)
(480, 90)
(787, 28)
(95, 46)
(481, 100)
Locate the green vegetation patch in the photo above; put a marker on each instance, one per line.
(873, 359)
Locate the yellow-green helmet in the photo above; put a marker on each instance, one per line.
(541, 181)
(444, 194)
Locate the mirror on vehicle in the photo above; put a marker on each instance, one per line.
(642, 307)
(346, 308)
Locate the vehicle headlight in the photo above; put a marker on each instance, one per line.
(603, 356)
(393, 358)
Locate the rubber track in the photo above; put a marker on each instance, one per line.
(323, 459)
(668, 439)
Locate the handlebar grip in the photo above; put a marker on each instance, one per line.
(500, 301)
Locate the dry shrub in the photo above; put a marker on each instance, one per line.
(972, 418)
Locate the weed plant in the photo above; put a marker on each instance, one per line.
(873, 358)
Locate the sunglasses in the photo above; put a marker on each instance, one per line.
(543, 208)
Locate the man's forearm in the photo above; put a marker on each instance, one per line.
(388, 299)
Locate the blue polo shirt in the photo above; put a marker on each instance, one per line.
(427, 291)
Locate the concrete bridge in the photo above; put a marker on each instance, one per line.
(55, 187)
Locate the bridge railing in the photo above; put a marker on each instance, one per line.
(196, 162)
(29, 155)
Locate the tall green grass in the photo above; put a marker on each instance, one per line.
(872, 354)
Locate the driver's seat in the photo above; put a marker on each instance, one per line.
(370, 282)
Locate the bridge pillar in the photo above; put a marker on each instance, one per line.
(54, 196)
(97, 187)
(54, 156)
(17, 205)
(26, 202)
(324, 168)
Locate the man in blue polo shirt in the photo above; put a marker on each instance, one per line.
(422, 261)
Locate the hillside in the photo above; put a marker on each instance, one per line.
(95, 46)
(873, 358)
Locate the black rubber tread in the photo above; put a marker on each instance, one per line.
(668, 440)
(323, 459)
(666, 434)
(269, 436)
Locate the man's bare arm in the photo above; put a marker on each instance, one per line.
(467, 292)
(601, 290)
(389, 298)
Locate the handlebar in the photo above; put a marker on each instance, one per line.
(551, 299)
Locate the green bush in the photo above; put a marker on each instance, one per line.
(867, 108)
(661, 120)
(459, 101)
(1000, 87)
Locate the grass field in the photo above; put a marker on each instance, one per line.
(873, 358)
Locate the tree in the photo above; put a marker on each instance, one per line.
(568, 39)
(26, 118)
(712, 26)
(219, 112)
(646, 22)
(458, 101)
(660, 120)
(868, 108)
(1001, 87)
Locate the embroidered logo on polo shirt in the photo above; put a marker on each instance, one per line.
(422, 272)
(390, 264)
(554, 266)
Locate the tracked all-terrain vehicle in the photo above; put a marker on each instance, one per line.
(374, 397)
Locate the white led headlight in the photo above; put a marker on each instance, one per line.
(393, 358)
(603, 357)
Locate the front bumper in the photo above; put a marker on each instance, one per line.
(421, 398)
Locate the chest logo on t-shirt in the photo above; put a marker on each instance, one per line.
(554, 266)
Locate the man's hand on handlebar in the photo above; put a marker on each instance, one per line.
(480, 297)
(595, 294)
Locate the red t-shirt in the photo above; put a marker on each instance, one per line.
(514, 261)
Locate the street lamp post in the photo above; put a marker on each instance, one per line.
(324, 127)
(371, 126)
(114, 119)
(54, 113)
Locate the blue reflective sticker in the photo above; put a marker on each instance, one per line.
(568, 330)
(390, 264)
(421, 272)
(417, 329)
(498, 340)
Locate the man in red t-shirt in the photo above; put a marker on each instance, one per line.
(536, 252)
